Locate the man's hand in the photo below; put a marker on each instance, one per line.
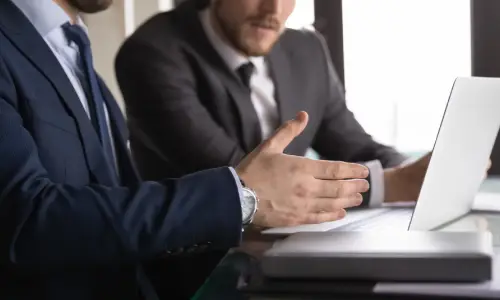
(404, 183)
(296, 190)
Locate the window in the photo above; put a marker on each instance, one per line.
(165, 5)
(401, 58)
(303, 15)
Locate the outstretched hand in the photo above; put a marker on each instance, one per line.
(296, 190)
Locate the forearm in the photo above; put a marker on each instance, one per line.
(53, 224)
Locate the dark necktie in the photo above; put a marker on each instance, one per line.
(76, 34)
(245, 72)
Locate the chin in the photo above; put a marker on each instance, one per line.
(258, 49)
(90, 7)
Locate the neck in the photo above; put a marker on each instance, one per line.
(70, 10)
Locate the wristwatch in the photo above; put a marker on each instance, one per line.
(249, 205)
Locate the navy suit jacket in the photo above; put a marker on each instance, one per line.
(65, 231)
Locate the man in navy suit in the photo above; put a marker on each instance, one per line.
(76, 222)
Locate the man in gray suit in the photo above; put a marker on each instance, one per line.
(207, 82)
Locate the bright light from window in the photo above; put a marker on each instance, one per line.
(302, 16)
(129, 10)
(165, 5)
(401, 58)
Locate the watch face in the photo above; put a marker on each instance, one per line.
(248, 205)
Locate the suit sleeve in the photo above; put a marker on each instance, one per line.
(161, 95)
(45, 224)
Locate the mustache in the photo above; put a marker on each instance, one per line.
(268, 22)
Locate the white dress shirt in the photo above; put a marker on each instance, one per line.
(264, 101)
(47, 17)
(261, 82)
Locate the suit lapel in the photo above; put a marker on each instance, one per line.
(240, 95)
(29, 42)
(281, 72)
(128, 172)
(229, 81)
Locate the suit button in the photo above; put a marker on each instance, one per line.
(192, 249)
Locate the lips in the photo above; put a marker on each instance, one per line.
(266, 27)
(266, 24)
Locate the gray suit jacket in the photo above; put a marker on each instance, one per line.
(188, 111)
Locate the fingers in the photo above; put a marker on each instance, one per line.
(324, 217)
(339, 188)
(327, 205)
(322, 169)
(286, 133)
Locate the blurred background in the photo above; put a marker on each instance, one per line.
(397, 58)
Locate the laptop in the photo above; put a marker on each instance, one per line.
(460, 157)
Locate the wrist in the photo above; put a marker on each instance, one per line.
(391, 185)
(249, 204)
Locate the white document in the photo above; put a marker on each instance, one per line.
(352, 216)
(487, 202)
(484, 202)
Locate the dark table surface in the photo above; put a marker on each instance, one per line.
(230, 280)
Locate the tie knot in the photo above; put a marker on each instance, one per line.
(245, 72)
(76, 34)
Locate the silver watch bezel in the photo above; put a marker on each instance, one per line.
(255, 201)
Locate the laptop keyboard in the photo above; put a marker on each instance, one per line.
(394, 219)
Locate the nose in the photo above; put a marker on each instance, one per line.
(273, 7)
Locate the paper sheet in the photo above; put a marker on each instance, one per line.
(487, 202)
(351, 216)
(484, 202)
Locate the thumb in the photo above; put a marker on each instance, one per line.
(286, 133)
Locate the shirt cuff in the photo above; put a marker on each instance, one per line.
(377, 184)
(240, 187)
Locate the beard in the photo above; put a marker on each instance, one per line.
(90, 6)
(235, 33)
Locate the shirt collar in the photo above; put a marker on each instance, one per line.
(232, 58)
(45, 15)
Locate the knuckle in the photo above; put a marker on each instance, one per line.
(309, 219)
(295, 168)
(287, 127)
(301, 190)
(295, 220)
(341, 189)
(335, 189)
(334, 169)
(271, 143)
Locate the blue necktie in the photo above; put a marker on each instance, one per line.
(76, 34)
